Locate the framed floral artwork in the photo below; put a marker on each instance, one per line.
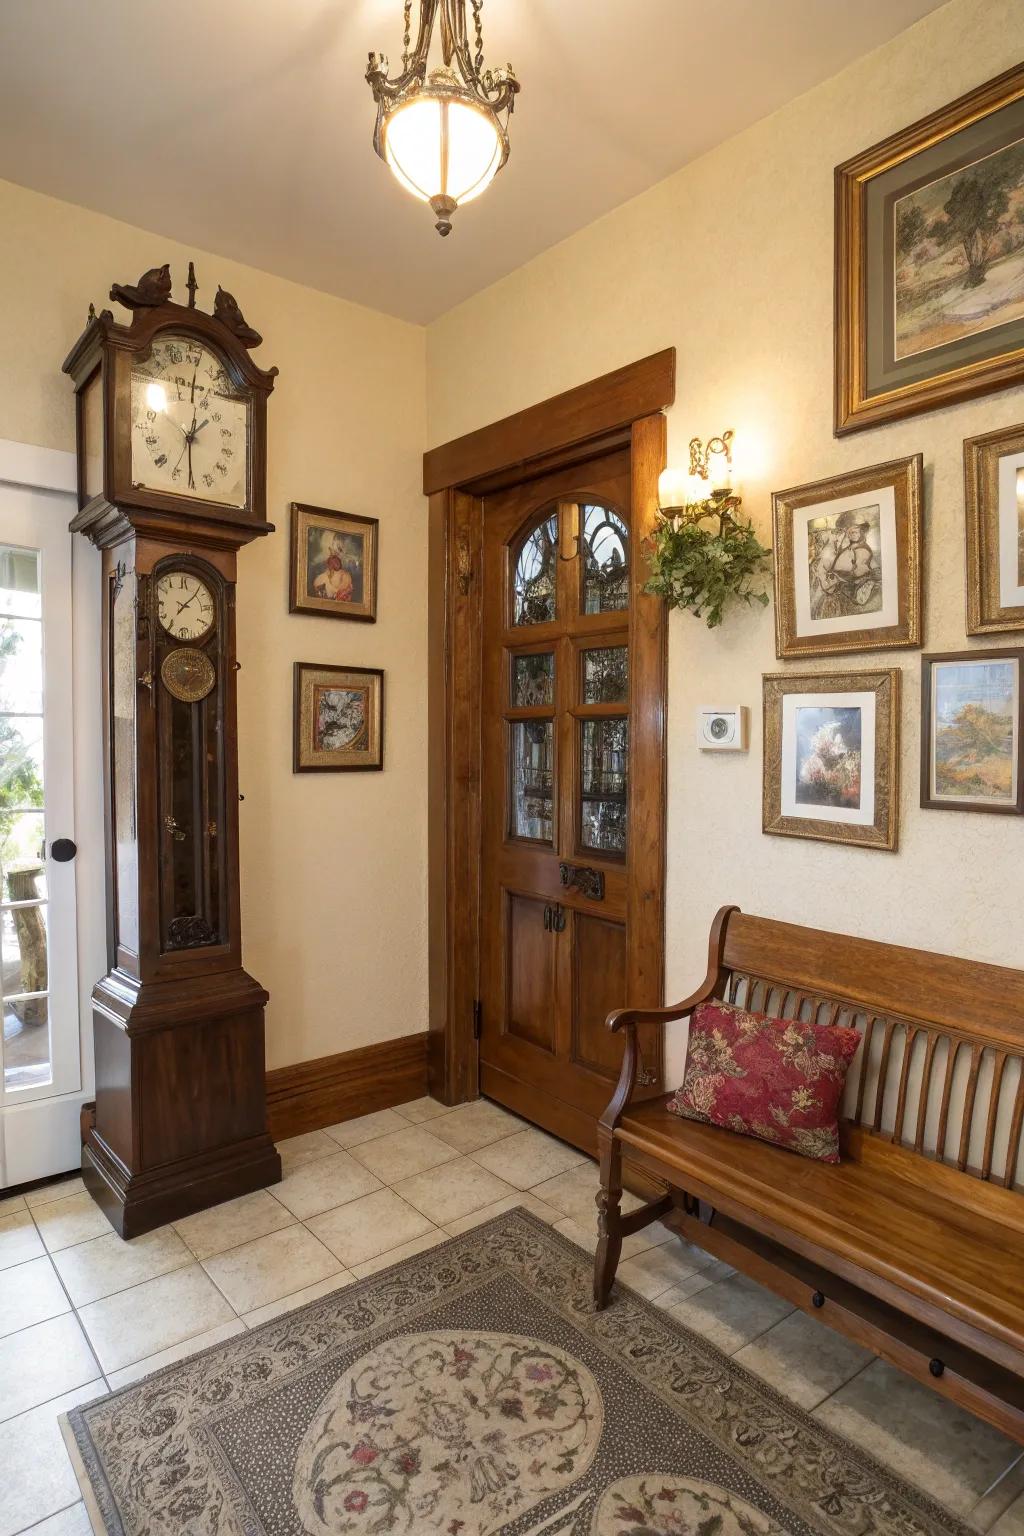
(338, 718)
(929, 295)
(333, 563)
(994, 497)
(972, 720)
(831, 757)
(847, 555)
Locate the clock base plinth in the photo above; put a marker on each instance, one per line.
(180, 1098)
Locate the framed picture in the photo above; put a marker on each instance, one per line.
(831, 756)
(929, 266)
(333, 564)
(338, 718)
(972, 717)
(994, 494)
(848, 561)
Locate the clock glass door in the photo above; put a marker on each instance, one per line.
(558, 570)
(40, 1049)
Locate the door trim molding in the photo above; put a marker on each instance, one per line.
(629, 402)
(616, 399)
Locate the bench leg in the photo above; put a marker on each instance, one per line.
(609, 1220)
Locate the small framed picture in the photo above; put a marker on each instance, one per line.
(333, 563)
(338, 718)
(972, 717)
(994, 493)
(847, 555)
(927, 297)
(831, 757)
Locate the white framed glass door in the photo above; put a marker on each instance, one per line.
(40, 1049)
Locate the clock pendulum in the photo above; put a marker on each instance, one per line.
(171, 433)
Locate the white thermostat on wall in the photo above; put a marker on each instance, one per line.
(724, 729)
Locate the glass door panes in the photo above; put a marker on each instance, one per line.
(606, 675)
(604, 769)
(533, 680)
(24, 918)
(534, 582)
(533, 778)
(605, 552)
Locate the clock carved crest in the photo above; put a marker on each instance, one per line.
(171, 434)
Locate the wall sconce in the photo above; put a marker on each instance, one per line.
(709, 478)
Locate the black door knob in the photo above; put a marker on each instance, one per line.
(63, 850)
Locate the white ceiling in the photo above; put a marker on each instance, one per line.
(243, 126)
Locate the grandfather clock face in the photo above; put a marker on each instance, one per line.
(190, 425)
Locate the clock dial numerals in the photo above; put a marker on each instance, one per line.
(184, 605)
(190, 427)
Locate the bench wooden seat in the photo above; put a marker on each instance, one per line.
(909, 1248)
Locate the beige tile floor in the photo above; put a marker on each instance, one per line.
(81, 1311)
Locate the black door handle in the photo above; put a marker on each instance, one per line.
(63, 850)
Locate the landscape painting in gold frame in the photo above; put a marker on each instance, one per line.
(994, 500)
(929, 286)
(832, 757)
(847, 555)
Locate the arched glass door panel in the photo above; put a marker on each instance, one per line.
(535, 574)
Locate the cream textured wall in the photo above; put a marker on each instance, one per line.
(730, 261)
(333, 866)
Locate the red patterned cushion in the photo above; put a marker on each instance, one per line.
(778, 1079)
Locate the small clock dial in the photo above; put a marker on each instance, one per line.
(184, 605)
(190, 426)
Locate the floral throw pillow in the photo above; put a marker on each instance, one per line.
(778, 1079)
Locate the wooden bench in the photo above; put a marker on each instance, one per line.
(914, 1244)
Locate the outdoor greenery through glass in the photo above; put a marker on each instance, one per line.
(23, 911)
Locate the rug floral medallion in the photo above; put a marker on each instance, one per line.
(469, 1391)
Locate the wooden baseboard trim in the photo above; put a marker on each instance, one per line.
(312, 1094)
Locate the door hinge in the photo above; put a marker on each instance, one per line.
(478, 1017)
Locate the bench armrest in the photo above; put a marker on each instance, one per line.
(628, 1018)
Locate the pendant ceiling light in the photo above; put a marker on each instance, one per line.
(442, 134)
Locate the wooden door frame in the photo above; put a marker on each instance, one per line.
(620, 409)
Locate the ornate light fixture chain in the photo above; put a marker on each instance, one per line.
(478, 61)
(408, 34)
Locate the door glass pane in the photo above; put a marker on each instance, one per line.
(533, 680)
(606, 561)
(604, 765)
(532, 779)
(24, 960)
(533, 586)
(606, 675)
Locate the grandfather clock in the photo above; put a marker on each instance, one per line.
(171, 421)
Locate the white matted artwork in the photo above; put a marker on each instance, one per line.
(831, 756)
(845, 571)
(1011, 530)
(828, 755)
(847, 557)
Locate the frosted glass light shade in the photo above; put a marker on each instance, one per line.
(442, 150)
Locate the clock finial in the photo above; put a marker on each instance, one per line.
(192, 285)
(226, 310)
(152, 288)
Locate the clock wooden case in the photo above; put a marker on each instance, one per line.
(171, 422)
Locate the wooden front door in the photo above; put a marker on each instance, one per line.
(560, 865)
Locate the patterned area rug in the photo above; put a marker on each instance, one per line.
(473, 1390)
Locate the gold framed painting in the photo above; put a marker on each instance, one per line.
(929, 288)
(847, 554)
(994, 498)
(832, 757)
(338, 723)
(333, 567)
(972, 720)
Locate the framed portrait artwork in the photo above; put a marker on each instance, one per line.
(929, 298)
(831, 757)
(847, 555)
(333, 563)
(972, 717)
(994, 497)
(338, 718)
